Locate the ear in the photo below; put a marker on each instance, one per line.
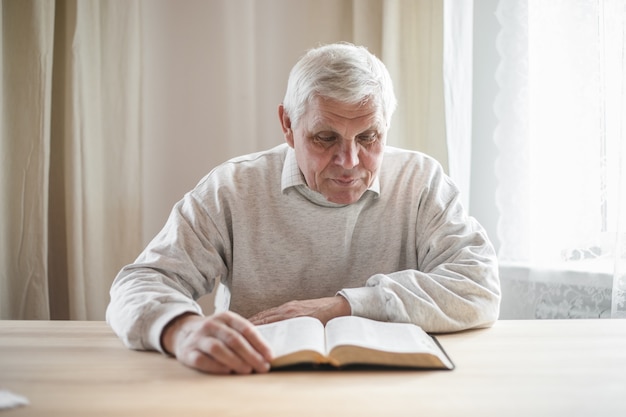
(285, 124)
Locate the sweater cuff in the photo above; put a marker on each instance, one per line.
(366, 302)
(156, 328)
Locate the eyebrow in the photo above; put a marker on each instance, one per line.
(321, 125)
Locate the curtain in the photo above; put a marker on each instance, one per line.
(70, 154)
(27, 39)
(112, 109)
(457, 71)
(412, 49)
(562, 153)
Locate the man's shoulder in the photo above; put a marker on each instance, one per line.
(247, 170)
(277, 153)
(267, 160)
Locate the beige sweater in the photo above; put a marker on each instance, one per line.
(406, 251)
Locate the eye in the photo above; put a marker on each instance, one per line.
(367, 138)
(325, 138)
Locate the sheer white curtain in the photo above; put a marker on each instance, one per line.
(562, 148)
(457, 74)
(112, 109)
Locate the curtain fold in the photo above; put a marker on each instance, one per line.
(71, 184)
(26, 66)
(511, 134)
(457, 72)
(616, 59)
(618, 300)
(101, 148)
(412, 49)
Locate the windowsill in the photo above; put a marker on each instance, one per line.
(568, 290)
(595, 273)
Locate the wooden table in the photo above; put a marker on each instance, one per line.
(516, 368)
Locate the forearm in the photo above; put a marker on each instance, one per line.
(455, 284)
(436, 303)
(142, 305)
(176, 268)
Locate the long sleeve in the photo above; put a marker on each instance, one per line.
(180, 265)
(456, 284)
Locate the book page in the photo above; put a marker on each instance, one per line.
(383, 336)
(294, 335)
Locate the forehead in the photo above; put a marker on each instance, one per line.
(328, 112)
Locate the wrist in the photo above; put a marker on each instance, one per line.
(173, 329)
(343, 306)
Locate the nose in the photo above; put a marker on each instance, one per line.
(347, 155)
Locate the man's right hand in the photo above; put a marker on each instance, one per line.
(223, 343)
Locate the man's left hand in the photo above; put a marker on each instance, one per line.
(323, 309)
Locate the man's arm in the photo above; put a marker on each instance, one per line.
(456, 286)
(151, 292)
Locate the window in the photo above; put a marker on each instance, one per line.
(560, 157)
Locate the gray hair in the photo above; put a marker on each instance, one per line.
(341, 72)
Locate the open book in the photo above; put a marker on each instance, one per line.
(353, 340)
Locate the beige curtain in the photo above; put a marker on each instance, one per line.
(412, 49)
(70, 170)
(25, 127)
(112, 109)
(408, 36)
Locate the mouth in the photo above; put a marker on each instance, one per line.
(345, 182)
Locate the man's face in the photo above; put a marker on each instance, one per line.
(339, 147)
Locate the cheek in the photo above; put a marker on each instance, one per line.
(316, 161)
(312, 166)
(319, 167)
(372, 161)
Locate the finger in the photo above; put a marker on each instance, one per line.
(272, 315)
(256, 340)
(201, 361)
(218, 354)
(263, 317)
(199, 349)
(242, 339)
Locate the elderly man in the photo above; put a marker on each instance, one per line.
(333, 222)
